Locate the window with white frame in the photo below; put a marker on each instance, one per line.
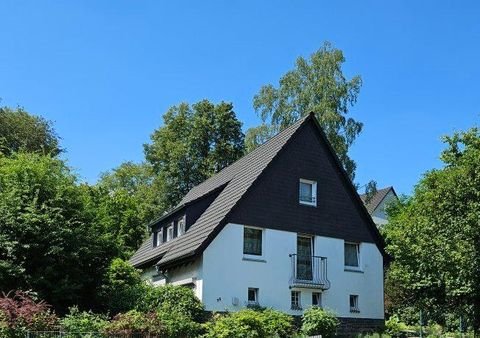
(352, 255)
(252, 241)
(354, 304)
(252, 296)
(316, 299)
(170, 233)
(295, 300)
(181, 226)
(308, 192)
(159, 237)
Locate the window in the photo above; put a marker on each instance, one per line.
(354, 304)
(181, 226)
(252, 241)
(159, 237)
(316, 299)
(308, 192)
(295, 300)
(252, 296)
(352, 255)
(170, 233)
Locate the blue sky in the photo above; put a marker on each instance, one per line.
(106, 71)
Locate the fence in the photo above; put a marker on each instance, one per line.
(61, 334)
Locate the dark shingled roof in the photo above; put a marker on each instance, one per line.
(236, 179)
(376, 199)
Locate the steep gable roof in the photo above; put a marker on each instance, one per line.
(376, 199)
(233, 181)
(236, 178)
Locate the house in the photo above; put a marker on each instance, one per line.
(282, 227)
(378, 202)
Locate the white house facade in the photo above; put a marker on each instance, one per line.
(283, 227)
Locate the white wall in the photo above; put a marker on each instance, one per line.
(226, 274)
(191, 272)
(379, 215)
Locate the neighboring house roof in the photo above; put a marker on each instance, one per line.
(376, 199)
(233, 181)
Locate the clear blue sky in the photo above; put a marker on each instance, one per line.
(106, 71)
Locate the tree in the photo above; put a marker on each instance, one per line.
(193, 143)
(21, 131)
(49, 242)
(317, 85)
(434, 237)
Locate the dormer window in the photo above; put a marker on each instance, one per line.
(170, 233)
(181, 226)
(308, 192)
(158, 237)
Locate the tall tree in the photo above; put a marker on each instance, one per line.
(434, 237)
(317, 85)
(20, 130)
(193, 143)
(49, 242)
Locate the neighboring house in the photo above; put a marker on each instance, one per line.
(377, 203)
(282, 227)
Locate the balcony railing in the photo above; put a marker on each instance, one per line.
(309, 272)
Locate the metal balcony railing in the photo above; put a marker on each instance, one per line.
(309, 272)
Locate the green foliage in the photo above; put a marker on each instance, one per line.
(250, 323)
(82, 321)
(122, 287)
(172, 299)
(48, 242)
(317, 321)
(319, 85)
(434, 235)
(394, 327)
(20, 131)
(135, 322)
(193, 143)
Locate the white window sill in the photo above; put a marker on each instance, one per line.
(353, 269)
(250, 258)
(308, 204)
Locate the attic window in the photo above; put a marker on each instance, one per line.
(181, 226)
(170, 233)
(308, 192)
(158, 237)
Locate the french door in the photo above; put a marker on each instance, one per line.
(304, 257)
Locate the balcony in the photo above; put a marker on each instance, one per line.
(309, 272)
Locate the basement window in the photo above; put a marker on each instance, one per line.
(252, 296)
(354, 304)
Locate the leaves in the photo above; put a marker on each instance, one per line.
(314, 85)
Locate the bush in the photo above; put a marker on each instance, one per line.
(20, 312)
(250, 323)
(394, 327)
(277, 323)
(135, 322)
(77, 321)
(172, 299)
(316, 321)
(123, 287)
(242, 324)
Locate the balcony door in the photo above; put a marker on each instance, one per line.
(304, 257)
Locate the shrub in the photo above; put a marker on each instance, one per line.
(394, 327)
(177, 325)
(77, 321)
(251, 323)
(135, 322)
(172, 299)
(277, 323)
(242, 324)
(316, 321)
(123, 287)
(20, 312)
